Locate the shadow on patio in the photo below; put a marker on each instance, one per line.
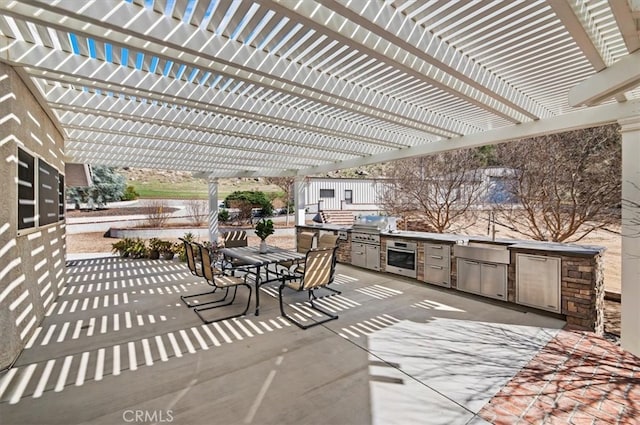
(118, 346)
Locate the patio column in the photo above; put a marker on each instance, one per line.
(299, 197)
(213, 209)
(630, 291)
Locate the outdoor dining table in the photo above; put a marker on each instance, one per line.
(250, 255)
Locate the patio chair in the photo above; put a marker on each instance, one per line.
(235, 239)
(327, 240)
(194, 267)
(318, 271)
(304, 242)
(224, 282)
(197, 270)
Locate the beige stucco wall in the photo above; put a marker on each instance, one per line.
(32, 269)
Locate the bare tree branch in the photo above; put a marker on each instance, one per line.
(568, 184)
(441, 188)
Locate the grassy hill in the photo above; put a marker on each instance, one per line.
(181, 185)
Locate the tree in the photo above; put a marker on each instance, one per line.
(441, 188)
(286, 184)
(567, 185)
(108, 185)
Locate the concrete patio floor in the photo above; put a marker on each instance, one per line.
(118, 347)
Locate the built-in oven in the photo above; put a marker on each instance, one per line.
(401, 258)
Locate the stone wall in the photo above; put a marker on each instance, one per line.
(32, 266)
(583, 292)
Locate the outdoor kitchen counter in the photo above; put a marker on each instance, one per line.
(512, 244)
(577, 280)
(325, 226)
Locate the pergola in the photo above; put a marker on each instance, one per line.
(232, 88)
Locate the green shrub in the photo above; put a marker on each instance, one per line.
(253, 197)
(138, 248)
(223, 215)
(130, 194)
(123, 246)
(127, 247)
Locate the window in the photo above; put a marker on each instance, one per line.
(47, 194)
(26, 190)
(60, 197)
(348, 196)
(40, 195)
(327, 193)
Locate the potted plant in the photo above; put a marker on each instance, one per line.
(155, 245)
(137, 249)
(166, 250)
(181, 251)
(264, 228)
(122, 247)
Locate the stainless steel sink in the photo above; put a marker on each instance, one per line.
(484, 252)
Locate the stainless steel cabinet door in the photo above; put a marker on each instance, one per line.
(494, 280)
(372, 257)
(538, 281)
(468, 275)
(358, 257)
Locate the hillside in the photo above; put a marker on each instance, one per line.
(182, 185)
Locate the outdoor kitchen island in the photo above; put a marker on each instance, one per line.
(560, 279)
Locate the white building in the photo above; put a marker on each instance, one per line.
(353, 194)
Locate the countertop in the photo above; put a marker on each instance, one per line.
(560, 248)
(326, 226)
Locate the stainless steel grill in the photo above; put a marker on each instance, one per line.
(367, 236)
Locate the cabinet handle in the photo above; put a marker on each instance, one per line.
(470, 262)
(436, 267)
(538, 258)
(490, 265)
(500, 295)
(437, 257)
(436, 247)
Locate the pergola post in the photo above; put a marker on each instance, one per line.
(630, 291)
(299, 192)
(213, 209)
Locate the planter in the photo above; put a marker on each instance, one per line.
(168, 255)
(263, 247)
(154, 255)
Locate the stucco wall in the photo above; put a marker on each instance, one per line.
(32, 268)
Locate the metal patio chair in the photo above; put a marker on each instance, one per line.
(318, 272)
(326, 240)
(304, 243)
(194, 268)
(197, 270)
(224, 282)
(235, 239)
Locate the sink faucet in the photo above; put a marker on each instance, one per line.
(492, 225)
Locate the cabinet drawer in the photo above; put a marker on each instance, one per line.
(437, 260)
(436, 250)
(437, 274)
